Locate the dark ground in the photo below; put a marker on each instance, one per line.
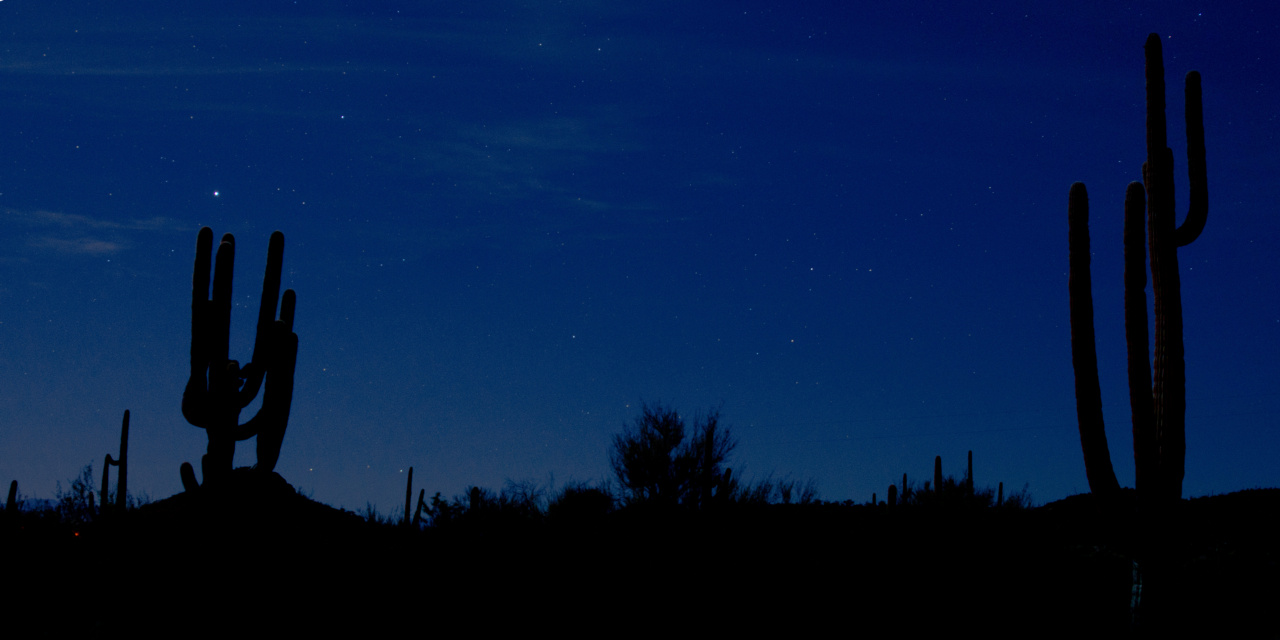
(257, 555)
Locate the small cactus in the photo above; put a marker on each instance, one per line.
(937, 474)
(417, 513)
(408, 497)
(968, 475)
(893, 495)
(11, 506)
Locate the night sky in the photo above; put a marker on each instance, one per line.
(842, 224)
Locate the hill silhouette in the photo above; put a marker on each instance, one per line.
(256, 552)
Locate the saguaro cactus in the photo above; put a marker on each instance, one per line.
(219, 388)
(122, 478)
(968, 475)
(1159, 416)
(408, 499)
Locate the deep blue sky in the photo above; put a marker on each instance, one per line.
(508, 226)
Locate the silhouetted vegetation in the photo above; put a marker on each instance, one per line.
(219, 388)
(122, 478)
(657, 465)
(1159, 410)
(678, 519)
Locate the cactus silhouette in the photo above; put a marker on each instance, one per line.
(219, 388)
(968, 476)
(122, 478)
(408, 500)
(1159, 415)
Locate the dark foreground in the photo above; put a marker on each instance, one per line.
(259, 557)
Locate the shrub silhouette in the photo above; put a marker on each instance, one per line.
(578, 503)
(771, 491)
(656, 465)
(75, 506)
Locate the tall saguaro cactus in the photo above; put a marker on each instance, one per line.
(219, 388)
(1159, 416)
(122, 478)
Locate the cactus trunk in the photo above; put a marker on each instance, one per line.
(122, 477)
(968, 475)
(408, 496)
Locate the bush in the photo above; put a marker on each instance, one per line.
(770, 491)
(580, 503)
(75, 506)
(655, 464)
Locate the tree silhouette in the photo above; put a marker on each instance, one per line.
(655, 464)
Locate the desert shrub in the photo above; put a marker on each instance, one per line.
(957, 494)
(441, 512)
(580, 502)
(1020, 499)
(771, 491)
(657, 465)
(75, 505)
(372, 516)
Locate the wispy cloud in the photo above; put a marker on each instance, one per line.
(44, 218)
(86, 246)
(72, 233)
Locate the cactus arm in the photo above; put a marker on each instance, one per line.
(1198, 210)
(106, 476)
(195, 397)
(273, 418)
(262, 343)
(122, 478)
(1084, 355)
(223, 273)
